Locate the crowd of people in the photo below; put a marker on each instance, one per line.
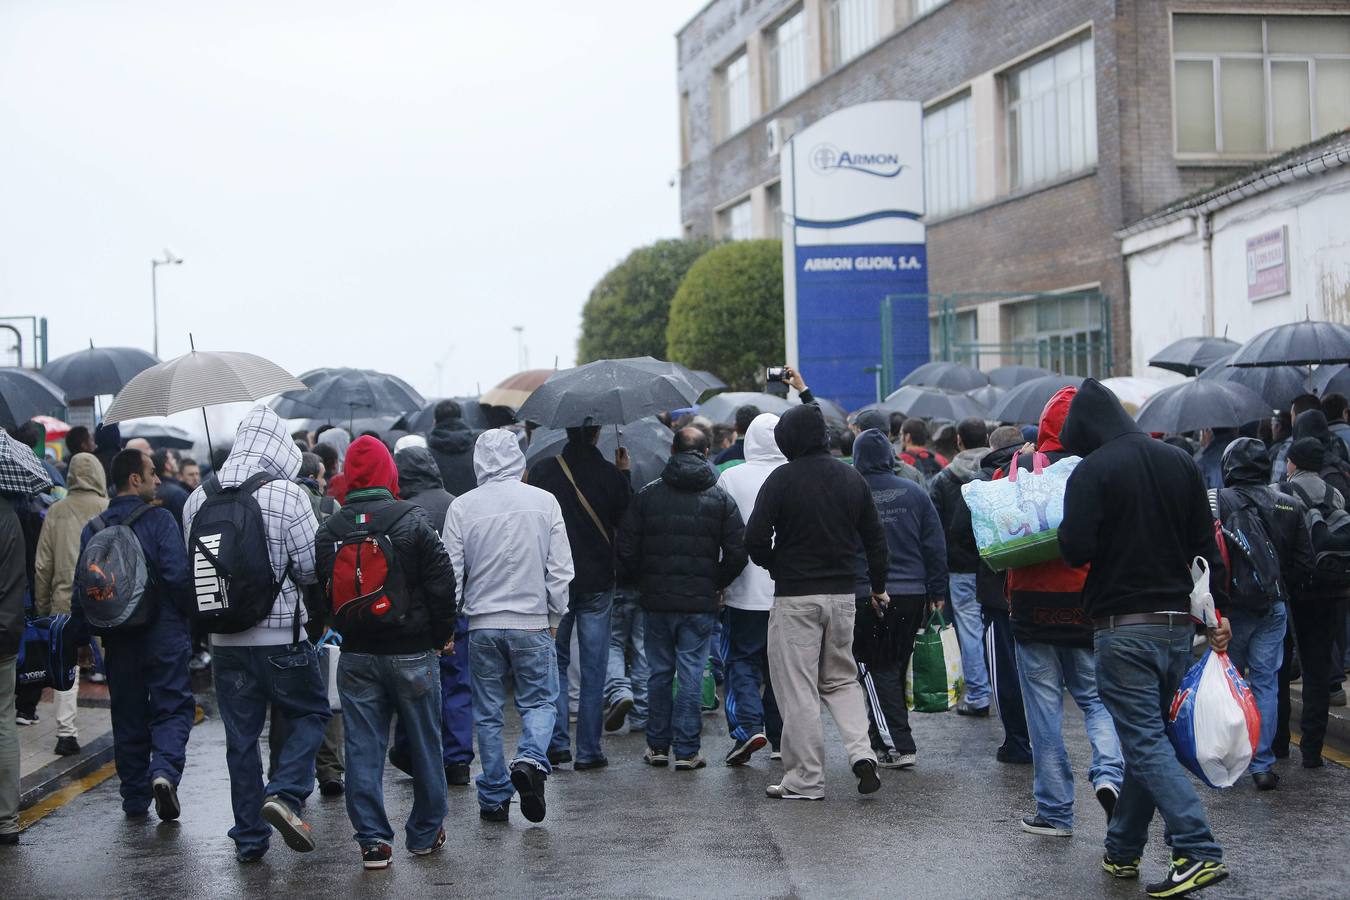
(792, 565)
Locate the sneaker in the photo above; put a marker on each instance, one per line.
(1265, 781)
(1188, 875)
(559, 757)
(166, 799)
(617, 713)
(333, 787)
(590, 764)
(26, 718)
(778, 792)
(457, 774)
(199, 661)
(427, 851)
(67, 746)
(401, 760)
(100, 678)
(528, 780)
(978, 712)
(776, 756)
(1038, 825)
(740, 754)
(1337, 698)
(1312, 760)
(658, 758)
(378, 856)
(290, 826)
(886, 760)
(690, 763)
(906, 760)
(9, 839)
(866, 772)
(1120, 868)
(501, 813)
(1107, 795)
(1004, 755)
(251, 855)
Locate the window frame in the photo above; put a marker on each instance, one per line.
(772, 47)
(833, 46)
(1006, 75)
(721, 80)
(722, 218)
(963, 96)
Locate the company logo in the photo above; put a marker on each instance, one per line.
(828, 159)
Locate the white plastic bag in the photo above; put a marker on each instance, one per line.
(1214, 724)
(1202, 601)
(328, 661)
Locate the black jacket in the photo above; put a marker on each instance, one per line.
(1135, 508)
(172, 495)
(682, 538)
(1245, 466)
(451, 443)
(425, 565)
(607, 491)
(419, 482)
(918, 548)
(945, 491)
(13, 578)
(1312, 423)
(811, 513)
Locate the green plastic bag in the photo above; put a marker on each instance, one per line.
(708, 699)
(933, 683)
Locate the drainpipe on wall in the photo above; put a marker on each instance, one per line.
(1207, 250)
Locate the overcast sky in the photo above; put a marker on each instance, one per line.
(386, 185)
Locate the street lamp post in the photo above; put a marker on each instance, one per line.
(168, 260)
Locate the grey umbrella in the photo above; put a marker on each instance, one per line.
(704, 384)
(21, 472)
(712, 381)
(24, 394)
(607, 392)
(951, 376)
(1192, 355)
(471, 411)
(1325, 380)
(1202, 403)
(934, 403)
(1305, 343)
(1279, 385)
(97, 371)
(1008, 377)
(1023, 404)
(159, 435)
(988, 395)
(647, 440)
(347, 395)
(722, 408)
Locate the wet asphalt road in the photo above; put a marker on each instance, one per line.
(945, 829)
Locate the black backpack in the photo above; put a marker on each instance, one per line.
(112, 577)
(234, 585)
(1330, 531)
(1254, 581)
(368, 592)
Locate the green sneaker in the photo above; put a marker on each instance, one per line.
(1188, 875)
(1121, 869)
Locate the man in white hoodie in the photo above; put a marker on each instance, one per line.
(752, 721)
(513, 564)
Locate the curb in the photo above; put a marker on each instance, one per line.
(1338, 721)
(47, 780)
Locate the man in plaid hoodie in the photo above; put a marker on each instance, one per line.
(265, 665)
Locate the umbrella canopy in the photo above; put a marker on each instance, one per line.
(159, 434)
(722, 408)
(934, 403)
(1279, 385)
(25, 394)
(951, 376)
(199, 378)
(348, 394)
(1202, 403)
(648, 442)
(1305, 343)
(1009, 377)
(471, 411)
(607, 392)
(515, 390)
(712, 381)
(1133, 391)
(835, 415)
(1324, 380)
(91, 373)
(1023, 404)
(54, 427)
(661, 367)
(1192, 355)
(21, 472)
(988, 395)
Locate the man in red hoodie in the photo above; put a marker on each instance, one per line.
(1054, 653)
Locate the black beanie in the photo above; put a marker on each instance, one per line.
(1308, 454)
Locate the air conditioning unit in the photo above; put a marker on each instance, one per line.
(777, 132)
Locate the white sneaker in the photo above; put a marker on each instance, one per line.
(776, 756)
(906, 760)
(778, 792)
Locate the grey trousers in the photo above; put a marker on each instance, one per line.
(9, 749)
(810, 662)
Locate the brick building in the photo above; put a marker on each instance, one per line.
(1049, 125)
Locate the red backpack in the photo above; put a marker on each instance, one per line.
(367, 592)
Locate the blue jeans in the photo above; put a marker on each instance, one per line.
(745, 642)
(528, 660)
(589, 614)
(626, 628)
(456, 714)
(1257, 650)
(374, 686)
(1138, 670)
(677, 646)
(965, 611)
(150, 692)
(1045, 670)
(247, 680)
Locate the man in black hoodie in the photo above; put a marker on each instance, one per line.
(1136, 509)
(451, 442)
(805, 530)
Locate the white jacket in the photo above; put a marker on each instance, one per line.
(508, 543)
(753, 588)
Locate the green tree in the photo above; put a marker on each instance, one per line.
(627, 311)
(727, 316)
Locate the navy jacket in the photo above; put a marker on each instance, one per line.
(913, 531)
(165, 553)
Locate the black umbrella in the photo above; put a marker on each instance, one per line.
(648, 442)
(835, 415)
(348, 394)
(934, 403)
(1023, 404)
(1192, 355)
(607, 392)
(722, 408)
(1305, 343)
(159, 434)
(712, 381)
(1202, 403)
(1279, 385)
(24, 394)
(988, 395)
(1326, 380)
(951, 376)
(86, 374)
(662, 367)
(422, 421)
(1008, 377)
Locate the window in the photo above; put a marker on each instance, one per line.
(1252, 85)
(787, 58)
(1052, 115)
(773, 211)
(734, 81)
(1062, 334)
(684, 129)
(955, 336)
(853, 28)
(926, 6)
(733, 223)
(948, 160)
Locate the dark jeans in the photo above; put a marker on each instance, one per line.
(328, 764)
(1313, 619)
(589, 614)
(456, 704)
(677, 646)
(744, 645)
(883, 680)
(248, 680)
(150, 693)
(1002, 652)
(1138, 670)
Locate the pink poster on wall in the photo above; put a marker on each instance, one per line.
(1268, 264)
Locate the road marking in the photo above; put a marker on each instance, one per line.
(57, 799)
(1336, 756)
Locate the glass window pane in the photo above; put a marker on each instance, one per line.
(1210, 33)
(1292, 118)
(1195, 106)
(1242, 89)
(1308, 34)
(1333, 95)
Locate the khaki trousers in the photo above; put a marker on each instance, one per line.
(810, 661)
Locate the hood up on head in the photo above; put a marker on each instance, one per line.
(802, 430)
(369, 465)
(760, 444)
(417, 471)
(1308, 454)
(409, 440)
(1052, 420)
(966, 464)
(873, 454)
(689, 471)
(497, 456)
(1095, 417)
(872, 419)
(86, 474)
(1312, 423)
(1245, 461)
(261, 444)
(339, 439)
(451, 436)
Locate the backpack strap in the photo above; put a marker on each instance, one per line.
(585, 504)
(1213, 494)
(131, 519)
(254, 481)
